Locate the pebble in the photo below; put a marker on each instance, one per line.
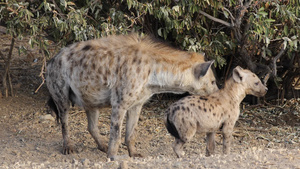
(123, 165)
(85, 162)
(47, 117)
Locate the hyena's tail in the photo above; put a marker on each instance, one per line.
(52, 106)
(171, 127)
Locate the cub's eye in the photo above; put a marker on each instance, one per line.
(213, 82)
(256, 83)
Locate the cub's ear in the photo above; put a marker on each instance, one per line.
(237, 74)
(201, 69)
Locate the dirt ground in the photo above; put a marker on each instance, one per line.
(266, 136)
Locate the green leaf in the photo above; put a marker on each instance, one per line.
(263, 13)
(63, 3)
(270, 20)
(226, 14)
(285, 30)
(159, 32)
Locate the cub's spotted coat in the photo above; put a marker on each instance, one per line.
(208, 114)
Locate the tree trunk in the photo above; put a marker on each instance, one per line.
(6, 76)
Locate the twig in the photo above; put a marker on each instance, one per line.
(280, 107)
(215, 19)
(77, 112)
(273, 63)
(255, 106)
(250, 129)
(231, 16)
(58, 9)
(42, 74)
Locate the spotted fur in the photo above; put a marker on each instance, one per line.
(122, 72)
(219, 110)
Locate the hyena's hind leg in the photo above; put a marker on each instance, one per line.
(61, 107)
(92, 116)
(178, 147)
(181, 133)
(185, 136)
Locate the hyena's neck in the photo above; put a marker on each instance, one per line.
(166, 80)
(233, 91)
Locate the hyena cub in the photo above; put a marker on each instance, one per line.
(208, 114)
(122, 72)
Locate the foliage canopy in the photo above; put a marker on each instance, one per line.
(260, 35)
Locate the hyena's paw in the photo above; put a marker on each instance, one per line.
(207, 154)
(103, 148)
(68, 149)
(136, 155)
(180, 153)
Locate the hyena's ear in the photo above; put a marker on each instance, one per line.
(201, 69)
(237, 74)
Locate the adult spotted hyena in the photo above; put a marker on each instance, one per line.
(208, 114)
(124, 72)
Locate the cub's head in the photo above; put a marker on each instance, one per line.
(250, 81)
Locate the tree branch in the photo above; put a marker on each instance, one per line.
(239, 16)
(273, 63)
(6, 75)
(215, 19)
(230, 14)
(58, 10)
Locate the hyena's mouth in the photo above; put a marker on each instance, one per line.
(260, 94)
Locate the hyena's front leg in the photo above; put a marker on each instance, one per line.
(117, 116)
(131, 122)
(227, 137)
(210, 143)
(93, 116)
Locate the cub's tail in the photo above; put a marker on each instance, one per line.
(170, 126)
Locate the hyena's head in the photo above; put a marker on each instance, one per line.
(205, 81)
(251, 83)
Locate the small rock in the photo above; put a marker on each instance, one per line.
(47, 117)
(85, 162)
(123, 165)
(16, 153)
(74, 161)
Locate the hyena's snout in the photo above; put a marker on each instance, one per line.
(262, 91)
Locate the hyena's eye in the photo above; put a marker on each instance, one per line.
(256, 83)
(213, 82)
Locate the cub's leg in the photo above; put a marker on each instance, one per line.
(178, 147)
(227, 137)
(210, 143)
(185, 134)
